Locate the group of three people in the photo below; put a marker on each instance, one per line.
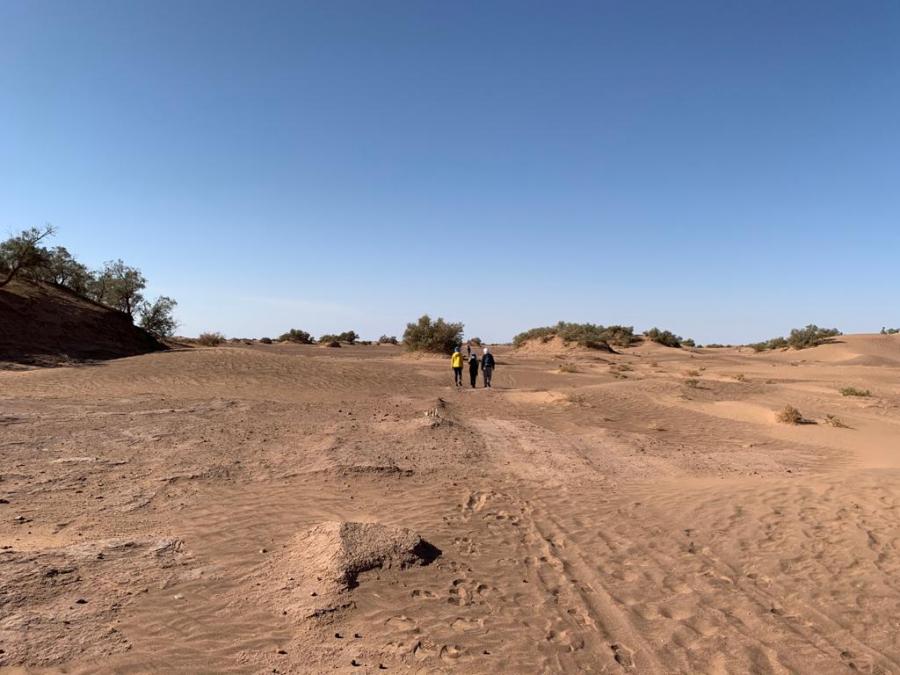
(487, 366)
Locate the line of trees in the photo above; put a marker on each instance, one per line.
(116, 285)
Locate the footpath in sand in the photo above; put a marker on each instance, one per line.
(294, 509)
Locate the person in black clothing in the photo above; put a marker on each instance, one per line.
(473, 369)
(487, 366)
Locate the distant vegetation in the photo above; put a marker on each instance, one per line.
(890, 331)
(388, 340)
(210, 339)
(265, 340)
(437, 336)
(298, 336)
(667, 338)
(853, 391)
(800, 338)
(589, 335)
(350, 337)
(116, 285)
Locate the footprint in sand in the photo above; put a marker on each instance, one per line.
(401, 622)
(450, 653)
(423, 650)
(623, 655)
(460, 624)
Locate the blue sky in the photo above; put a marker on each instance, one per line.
(725, 170)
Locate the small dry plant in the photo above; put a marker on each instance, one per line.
(210, 339)
(568, 368)
(853, 391)
(835, 421)
(692, 373)
(693, 383)
(789, 415)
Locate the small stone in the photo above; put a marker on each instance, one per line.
(81, 601)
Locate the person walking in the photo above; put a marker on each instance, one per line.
(487, 366)
(457, 364)
(473, 369)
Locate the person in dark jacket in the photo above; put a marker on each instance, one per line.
(487, 366)
(473, 369)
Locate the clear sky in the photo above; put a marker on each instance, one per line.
(725, 170)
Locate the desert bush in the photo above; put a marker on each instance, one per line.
(853, 391)
(589, 335)
(332, 343)
(811, 336)
(350, 337)
(266, 340)
(568, 368)
(889, 331)
(716, 345)
(693, 383)
(298, 336)
(789, 415)
(437, 336)
(158, 317)
(692, 373)
(210, 339)
(834, 421)
(774, 343)
(800, 338)
(689, 342)
(388, 340)
(664, 337)
(476, 342)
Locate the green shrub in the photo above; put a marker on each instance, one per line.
(350, 337)
(689, 342)
(387, 340)
(332, 343)
(853, 391)
(589, 335)
(438, 336)
(298, 336)
(890, 331)
(210, 339)
(266, 341)
(811, 336)
(774, 343)
(665, 337)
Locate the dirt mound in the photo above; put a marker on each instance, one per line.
(323, 563)
(42, 324)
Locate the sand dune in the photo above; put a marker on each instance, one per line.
(177, 511)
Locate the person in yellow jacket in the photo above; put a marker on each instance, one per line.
(456, 363)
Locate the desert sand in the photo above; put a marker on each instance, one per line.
(297, 509)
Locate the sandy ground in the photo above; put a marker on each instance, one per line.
(156, 512)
